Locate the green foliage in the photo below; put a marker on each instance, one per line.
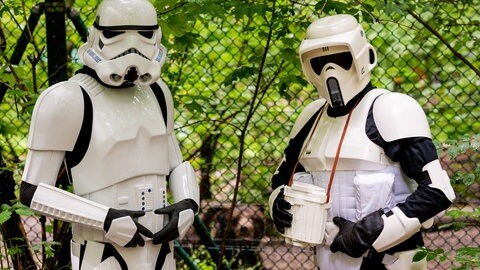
(430, 254)
(469, 149)
(18, 208)
(201, 257)
(461, 219)
(437, 68)
(466, 258)
(47, 247)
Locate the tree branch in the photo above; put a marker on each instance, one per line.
(444, 41)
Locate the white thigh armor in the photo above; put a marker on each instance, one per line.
(136, 258)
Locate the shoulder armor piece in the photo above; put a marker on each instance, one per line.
(57, 118)
(399, 116)
(169, 103)
(306, 114)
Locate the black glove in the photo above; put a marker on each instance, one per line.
(176, 225)
(355, 238)
(281, 217)
(136, 239)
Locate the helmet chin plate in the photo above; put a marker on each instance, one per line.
(334, 91)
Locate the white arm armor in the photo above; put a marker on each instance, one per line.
(57, 118)
(42, 167)
(183, 183)
(182, 180)
(63, 205)
(399, 116)
(53, 131)
(398, 227)
(440, 179)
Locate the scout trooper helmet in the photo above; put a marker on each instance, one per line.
(123, 45)
(337, 58)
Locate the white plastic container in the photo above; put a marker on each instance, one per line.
(309, 212)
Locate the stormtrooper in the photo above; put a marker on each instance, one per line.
(370, 148)
(111, 126)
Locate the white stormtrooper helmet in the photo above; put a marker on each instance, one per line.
(337, 58)
(123, 45)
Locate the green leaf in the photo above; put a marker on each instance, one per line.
(431, 256)
(420, 255)
(5, 216)
(469, 179)
(49, 228)
(239, 73)
(194, 107)
(24, 211)
(188, 39)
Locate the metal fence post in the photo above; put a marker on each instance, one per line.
(56, 41)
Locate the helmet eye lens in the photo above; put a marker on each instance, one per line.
(344, 60)
(146, 34)
(111, 34)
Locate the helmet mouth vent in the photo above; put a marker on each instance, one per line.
(334, 92)
(131, 51)
(132, 75)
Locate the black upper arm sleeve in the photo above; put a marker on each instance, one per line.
(26, 193)
(291, 155)
(413, 154)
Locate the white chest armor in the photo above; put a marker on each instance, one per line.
(358, 151)
(127, 160)
(365, 178)
(128, 137)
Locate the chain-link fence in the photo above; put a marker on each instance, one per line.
(238, 88)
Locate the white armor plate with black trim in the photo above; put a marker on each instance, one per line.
(358, 151)
(128, 159)
(128, 138)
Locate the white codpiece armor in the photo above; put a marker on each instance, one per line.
(130, 153)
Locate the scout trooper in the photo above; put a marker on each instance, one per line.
(387, 181)
(111, 125)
